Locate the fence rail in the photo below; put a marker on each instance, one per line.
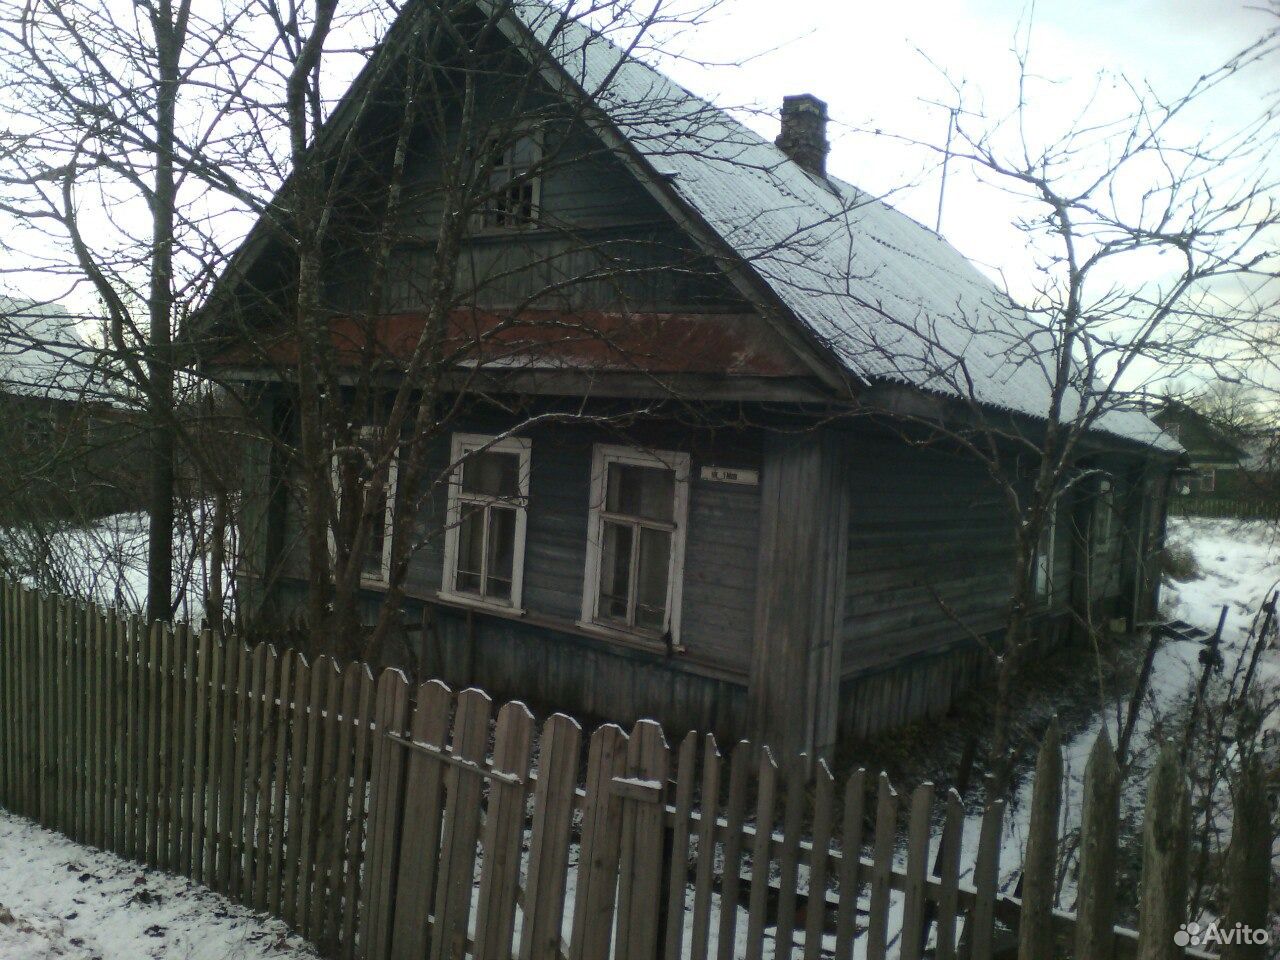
(382, 820)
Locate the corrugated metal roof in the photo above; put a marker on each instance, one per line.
(889, 297)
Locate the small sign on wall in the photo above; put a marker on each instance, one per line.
(748, 478)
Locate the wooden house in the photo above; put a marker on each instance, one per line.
(1214, 457)
(768, 541)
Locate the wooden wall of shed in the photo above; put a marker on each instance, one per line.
(930, 544)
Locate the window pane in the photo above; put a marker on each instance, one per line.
(375, 506)
(502, 552)
(647, 492)
(651, 577)
(492, 474)
(615, 572)
(470, 550)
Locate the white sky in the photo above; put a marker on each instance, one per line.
(870, 62)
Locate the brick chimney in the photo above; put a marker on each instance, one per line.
(804, 132)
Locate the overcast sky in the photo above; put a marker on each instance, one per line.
(871, 63)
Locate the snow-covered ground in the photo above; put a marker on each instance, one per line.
(59, 899)
(1238, 566)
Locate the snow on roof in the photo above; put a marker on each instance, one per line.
(42, 353)
(889, 297)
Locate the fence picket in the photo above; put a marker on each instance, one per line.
(881, 869)
(183, 747)
(598, 859)
(503, 827)
(391, 714)
(789, 857)
(424, 807)
(155, 741)
(232, 660)
(949, 876)
(213, 761)
(678, 861)
(855, 799)
(1035, 931)
(312, 816)
(247, 679)
(980, 929)
(1163, 896)
(297, 764)
(766, 793)
(357, 879)
(281, 721)
(136, 727)
(815, 908)
(1099, 825)
(463, 790)
(705, 873)
(341, 821)
(731, 882)
(265, 732)
(328, 789)
(914, 931)
(549, 836)
(640, 861)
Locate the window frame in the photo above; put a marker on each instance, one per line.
(679, 463)
(461, 446)
(388, 511)
(482, 225)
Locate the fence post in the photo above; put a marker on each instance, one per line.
(1035, 926)
(1249, 862)
(1163, 901)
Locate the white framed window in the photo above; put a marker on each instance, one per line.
(1206, 479)
(379, 507)
(1044, 557)
(514, 195)
(635, 541)
(487, 518)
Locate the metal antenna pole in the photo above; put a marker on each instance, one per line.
(946, 159)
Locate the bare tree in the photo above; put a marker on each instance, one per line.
(110, 174)
(1147, 237)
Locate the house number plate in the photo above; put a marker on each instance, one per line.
(750, 478)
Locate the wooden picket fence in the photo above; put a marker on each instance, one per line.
(383, 821)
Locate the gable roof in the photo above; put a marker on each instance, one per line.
(883, 296)
(888, 297)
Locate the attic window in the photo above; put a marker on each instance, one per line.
(514, 191)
